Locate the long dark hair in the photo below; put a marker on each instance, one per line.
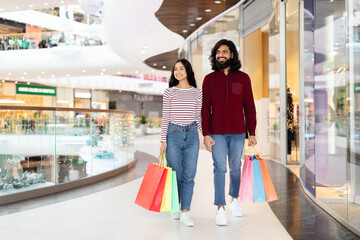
(189, 72)
(235, 63)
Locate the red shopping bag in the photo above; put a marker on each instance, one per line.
(151, 191)
(246, 184)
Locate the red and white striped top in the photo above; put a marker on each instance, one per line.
(181, 107)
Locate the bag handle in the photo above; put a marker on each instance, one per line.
(161, 160)
(257, 154)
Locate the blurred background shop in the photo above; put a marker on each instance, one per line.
(96, 82)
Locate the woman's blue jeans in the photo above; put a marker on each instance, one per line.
(230, 145)
(182, 155)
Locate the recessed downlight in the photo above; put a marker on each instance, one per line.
(207, 10)
(199, 18)
(184, 31)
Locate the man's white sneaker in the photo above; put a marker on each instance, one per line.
(220, 219)
(175, 216)
(186, 220)
(235, 208)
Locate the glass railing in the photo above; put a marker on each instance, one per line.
(42, 146)
(51, 39)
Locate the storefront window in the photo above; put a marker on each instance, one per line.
(274, 82)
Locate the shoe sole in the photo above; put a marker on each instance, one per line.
(221, 224)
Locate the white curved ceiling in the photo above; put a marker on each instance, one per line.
(132, 31)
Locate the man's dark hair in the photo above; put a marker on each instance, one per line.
(189, 72)
(235, 63)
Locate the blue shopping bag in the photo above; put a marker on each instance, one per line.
(259, 191)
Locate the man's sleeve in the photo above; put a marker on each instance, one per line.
(249, 107)
(206, 108)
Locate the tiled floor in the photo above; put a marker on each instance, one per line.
(92, 212)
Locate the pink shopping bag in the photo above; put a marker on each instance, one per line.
(246, 184)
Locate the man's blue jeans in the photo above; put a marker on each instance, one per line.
(182, 155)
(230, 145)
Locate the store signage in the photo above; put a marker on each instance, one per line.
(35, 90)
(357, 88)
(143, 98)
(84, 95)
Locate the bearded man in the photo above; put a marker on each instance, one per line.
(227, 101)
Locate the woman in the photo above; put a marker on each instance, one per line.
(182, 103)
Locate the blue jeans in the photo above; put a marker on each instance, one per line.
(182, 155)
(230, 145)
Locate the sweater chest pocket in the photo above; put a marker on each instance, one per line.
(237, 88)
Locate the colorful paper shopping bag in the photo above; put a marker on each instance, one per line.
(268, 184)
(259, 191)
(246, 185)
(166, 201)
(152, 188)
(175, 208)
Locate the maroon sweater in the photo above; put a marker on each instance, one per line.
(225, 101)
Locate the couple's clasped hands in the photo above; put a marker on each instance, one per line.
(209, 142)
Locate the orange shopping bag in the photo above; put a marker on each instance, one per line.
(268, 184)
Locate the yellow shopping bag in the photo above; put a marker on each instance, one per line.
(167, 197)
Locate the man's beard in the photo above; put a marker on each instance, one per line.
(223, 65)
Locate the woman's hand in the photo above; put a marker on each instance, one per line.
(163, 147)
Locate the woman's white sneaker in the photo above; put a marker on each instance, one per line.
(186, 220)
(175, 216)
(235, 208)
(220, 219)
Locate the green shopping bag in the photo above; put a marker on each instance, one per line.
(175, 195)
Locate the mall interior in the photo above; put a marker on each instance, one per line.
(81, 110)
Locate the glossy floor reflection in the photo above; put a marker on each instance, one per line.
(300, 216)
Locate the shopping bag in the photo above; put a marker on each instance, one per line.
(259, 191)
(175, 208)
(166, 201)
(152, 188)
(246, 184)
(268, 184)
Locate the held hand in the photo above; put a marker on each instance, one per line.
(209, 143)
(163, 147)
(252, 141)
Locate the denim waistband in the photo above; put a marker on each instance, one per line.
(187, 127)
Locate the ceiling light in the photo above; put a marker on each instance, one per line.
(68, 75)
(192, 24)
(31, 5)
(104, 70)
(184, 31)
(15, 82)
(16, 7)
(145, 46)
(90, 6)
(207, 10)
(217, 2)
(199, 18)
(22, 77)
(9, 74)
(143, 51)
(45, 4)
(25, 73)
(136, 71)
(28, 83)
(1, 9)
(154, 64)
(62, 1)
(52, 76)
(42, 72)
(164, 67)
(119, 72)
(3, 81)
(83, 70)
(152, 71)
(72, 86)
(39, 76)
(101, 73)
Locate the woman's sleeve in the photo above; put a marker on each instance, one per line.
(165, 115)
(199, 99)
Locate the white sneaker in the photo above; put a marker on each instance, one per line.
(220, 219)
(175, 216)
(186, 220)
(235, 208)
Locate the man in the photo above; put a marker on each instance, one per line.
(227, 100)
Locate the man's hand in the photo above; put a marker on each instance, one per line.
(252, 141)
(163, 147)
(208, 142)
